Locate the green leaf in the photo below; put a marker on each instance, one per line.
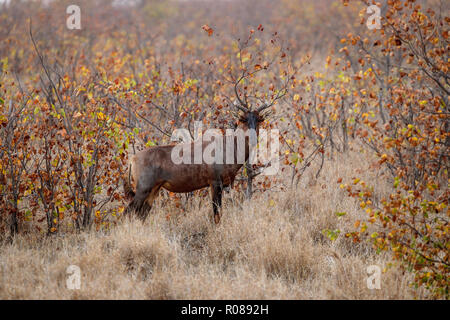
(331, 234)
(396, 182)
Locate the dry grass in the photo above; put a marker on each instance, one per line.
(269, 248)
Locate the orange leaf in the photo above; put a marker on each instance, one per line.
(208, 29)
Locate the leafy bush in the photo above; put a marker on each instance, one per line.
(402, 90)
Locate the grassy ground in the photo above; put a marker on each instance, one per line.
(271, 247)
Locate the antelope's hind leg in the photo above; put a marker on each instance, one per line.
(137, 204)
(150, 199)
(143, 200)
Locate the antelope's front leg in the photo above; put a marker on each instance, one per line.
(217, 190)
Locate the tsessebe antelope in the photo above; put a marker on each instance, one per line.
(153, 169)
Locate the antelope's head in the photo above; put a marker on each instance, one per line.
(249, 119)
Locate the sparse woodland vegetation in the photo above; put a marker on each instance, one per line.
(364, 148)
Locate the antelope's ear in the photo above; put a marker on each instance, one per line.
(262, 116)
(243, 118)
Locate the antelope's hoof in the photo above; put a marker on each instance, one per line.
(217, 218)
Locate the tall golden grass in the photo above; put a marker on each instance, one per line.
(271, 247)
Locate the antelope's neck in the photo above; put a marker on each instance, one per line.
(247, 146)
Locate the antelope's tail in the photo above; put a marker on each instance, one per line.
(127, 185)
